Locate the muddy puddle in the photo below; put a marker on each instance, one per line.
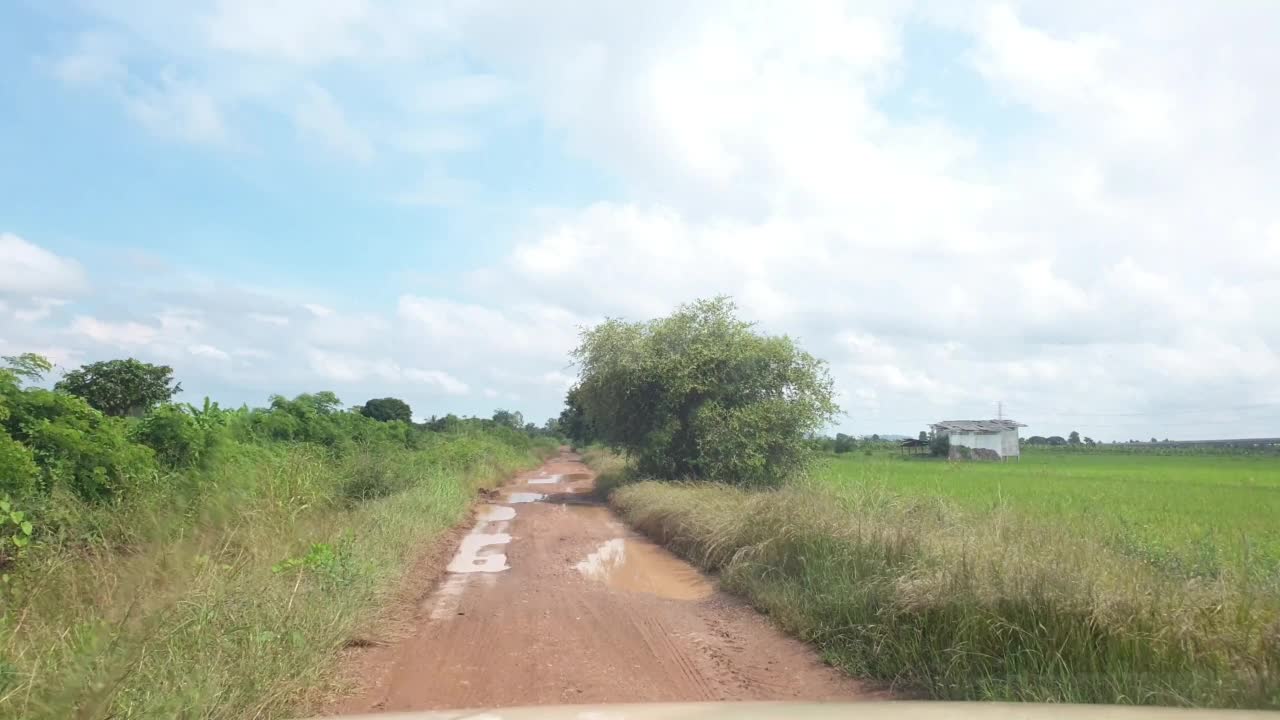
(516, 498)
(638, 565)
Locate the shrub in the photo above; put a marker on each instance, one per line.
(702, 394)
(76, 445)
(18, 472)
(178, 440)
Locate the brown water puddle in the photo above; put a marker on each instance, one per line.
(640, 566)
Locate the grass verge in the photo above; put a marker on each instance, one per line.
(917, 592)
(233, 605)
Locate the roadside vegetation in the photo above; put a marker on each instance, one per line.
(1068, 577)
(169, 560)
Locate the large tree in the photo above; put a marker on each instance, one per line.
(387, 409)
(703, 394)
(121, 387)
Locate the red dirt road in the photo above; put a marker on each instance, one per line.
(551, 600)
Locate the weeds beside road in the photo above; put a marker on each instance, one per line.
(956, 601)
(232, 605)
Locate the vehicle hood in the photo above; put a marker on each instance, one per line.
(888, 710)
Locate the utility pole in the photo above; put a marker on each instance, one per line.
(1000, 410)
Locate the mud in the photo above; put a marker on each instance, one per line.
(549, 599)
(638, 565)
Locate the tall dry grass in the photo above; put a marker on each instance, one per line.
(993, 606)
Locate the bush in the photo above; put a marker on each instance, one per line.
(178, 440)
(368, 475)
(76, 445)
(701, 394)
(18, 471)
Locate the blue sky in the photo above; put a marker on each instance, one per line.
(1068, 209)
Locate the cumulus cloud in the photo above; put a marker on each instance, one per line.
(1089, 233)
(28, 269)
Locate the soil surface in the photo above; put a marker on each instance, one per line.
(549, 599)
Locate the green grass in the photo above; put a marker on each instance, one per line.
(1191, 515)
(232, 604)
(1073, 578)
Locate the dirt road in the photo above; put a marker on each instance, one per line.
(551, 600)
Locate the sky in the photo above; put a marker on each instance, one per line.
(1072, 209)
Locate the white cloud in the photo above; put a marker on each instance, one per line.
(40, 309)
(319, 116)
(208, 351)
(268, 319)
(28, 269)
(460, 93)
(1093, 219)
(443, 381)
(125, 335)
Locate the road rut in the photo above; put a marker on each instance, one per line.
(552, 600)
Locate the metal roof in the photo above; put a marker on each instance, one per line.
(977, 426)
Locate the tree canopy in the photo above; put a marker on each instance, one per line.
(121, 387)
(387, 409)
(702, 394)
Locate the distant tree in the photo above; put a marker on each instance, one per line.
(387, 409)
(509, 418)
(1154, 440)
(1037, 440)
(940, 445)
(1089, 441)
(448, 423)
(121, 387)
(1056, 440)
(843, 443)
(1074, 438)
(924, 436)
(875, 438)
(574, 422)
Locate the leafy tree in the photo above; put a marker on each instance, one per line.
(70, 443)
(1056, 440)
(843, 444)
(702, 394)
(387, 409)
(121, 387)
(27, 366)
(1073, 438)
(924, 436)
(940, 445)
(508, 418)
(875, 437)
(1089, 441)
(1037, 440)
(574, 422)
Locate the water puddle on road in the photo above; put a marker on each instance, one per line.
(640, 566)
(548, 480)
(521, 497)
